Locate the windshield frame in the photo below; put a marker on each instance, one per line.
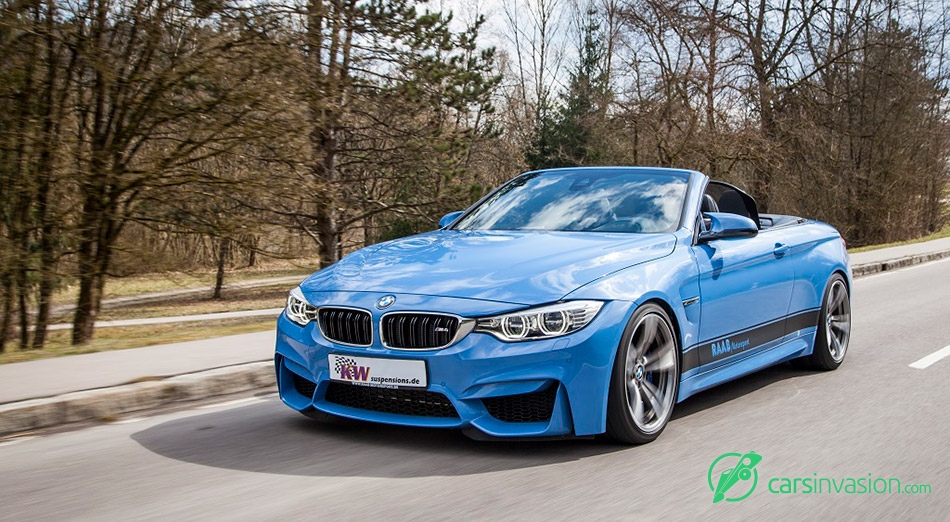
(688, 177)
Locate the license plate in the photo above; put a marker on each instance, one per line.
(381, 373)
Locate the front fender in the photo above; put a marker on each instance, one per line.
(672, 281)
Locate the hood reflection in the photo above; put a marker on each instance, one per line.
(514, 267)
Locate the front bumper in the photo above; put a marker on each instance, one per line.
(536, 388)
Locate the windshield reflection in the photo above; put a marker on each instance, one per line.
(621, 200)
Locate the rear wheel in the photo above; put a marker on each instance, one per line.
(645, 378)
(834, 327)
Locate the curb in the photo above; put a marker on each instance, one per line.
(894, 264)
(103, 403)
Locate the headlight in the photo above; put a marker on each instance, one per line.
(298, 309)
(540, 323)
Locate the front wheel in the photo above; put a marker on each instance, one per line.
(645, 378)
(834, 327)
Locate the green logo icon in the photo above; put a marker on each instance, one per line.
(733, 468)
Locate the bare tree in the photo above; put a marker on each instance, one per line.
(537, 33)
(147, 84)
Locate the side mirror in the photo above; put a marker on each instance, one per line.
(449, 218)
(723, 225)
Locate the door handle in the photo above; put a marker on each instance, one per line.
(780, 249)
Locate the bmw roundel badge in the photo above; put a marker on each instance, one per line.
(385, 301)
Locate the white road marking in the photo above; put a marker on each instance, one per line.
(128, 421)
(269, 312)
(238, 402)
(16, 440)
(932, 358)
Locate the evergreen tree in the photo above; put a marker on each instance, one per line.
(567, 136)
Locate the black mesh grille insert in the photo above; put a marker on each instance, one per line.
(347, 326)
(418, 403)
(304, 386)
(419, 331)
(529, 407)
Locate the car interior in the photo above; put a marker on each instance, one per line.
(722, 197)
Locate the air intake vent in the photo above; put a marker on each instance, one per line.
(417, 403)
(528, 407)
(347, 326)
(415, 331)
(304, 386)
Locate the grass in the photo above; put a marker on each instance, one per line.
(233, 300)
(198, 279)
(118, 338)
(940, 234)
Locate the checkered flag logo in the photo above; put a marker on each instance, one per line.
(342, 362)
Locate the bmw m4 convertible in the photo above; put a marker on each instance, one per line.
(567, 302)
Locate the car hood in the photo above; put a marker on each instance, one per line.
(512, 267)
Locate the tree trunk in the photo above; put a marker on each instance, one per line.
(6, 282)
(224, 252)
(24, 310)
(326, 215)
(762, 173)
(712, 73)
(252, 251)
(47, 266)
(93, 219)
(85, 318)
(325, 110)
(94, 257)
(86, 306)
(44, 174)
(43, 310)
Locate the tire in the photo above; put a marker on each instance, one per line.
(834, 327)
(645, 378)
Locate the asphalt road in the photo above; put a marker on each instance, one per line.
(257, 460)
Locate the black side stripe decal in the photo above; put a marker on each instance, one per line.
(745, 340)
(802, 320)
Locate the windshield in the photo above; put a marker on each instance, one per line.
(608, 200)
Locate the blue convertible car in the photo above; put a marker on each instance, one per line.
(575, 301)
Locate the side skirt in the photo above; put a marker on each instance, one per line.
(796, 344)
